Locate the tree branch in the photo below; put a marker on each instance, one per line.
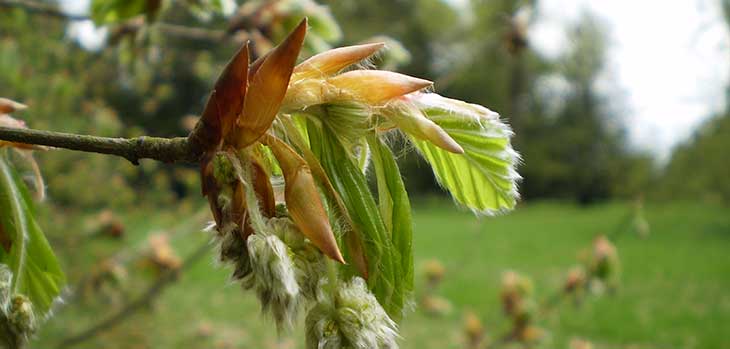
(181, 31)
(178, 149)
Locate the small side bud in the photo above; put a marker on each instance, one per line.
(223, 169)
(20, 316)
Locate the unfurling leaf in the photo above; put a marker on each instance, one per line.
(395, 208)
(351, 184)
(36, 272)
(302, 199)
(333, 61)
(484, 178)
(267, 88)
(352, 239)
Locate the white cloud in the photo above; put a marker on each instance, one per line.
(88, 35)
(669, 57)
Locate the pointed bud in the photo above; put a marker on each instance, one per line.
(332, 61)
(377, 86)
(268, 87)
(302, 199)
(8, 106)
(225, 102)
(411, 120)
(256, 65)
(231, 88)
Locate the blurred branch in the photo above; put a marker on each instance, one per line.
(41, 8)
(131, 253)
(154, 291)
(193, 33)
(176, 30)
(178, 149)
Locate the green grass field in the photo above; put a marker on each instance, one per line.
(675, 285)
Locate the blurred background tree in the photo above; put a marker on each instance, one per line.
(570, 134)
(146, 81)
(570, 129)
(698, 168)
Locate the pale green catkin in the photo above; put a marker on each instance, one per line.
(351, 318)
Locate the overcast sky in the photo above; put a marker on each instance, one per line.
(669, 60)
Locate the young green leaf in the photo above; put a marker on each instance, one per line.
(296, 130)
(484, 178)
(384, 278)
(395, 208)
(36, 272)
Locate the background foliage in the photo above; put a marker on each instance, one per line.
(149, 82)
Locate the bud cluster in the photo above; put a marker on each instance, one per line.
(519, 305)
(257, 121)
(286, 270)
(604, 266)
(431, 303)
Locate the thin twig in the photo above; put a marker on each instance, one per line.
(133, 252)
(42, 9)
(177, 149)
(154, 291)
(181, 31)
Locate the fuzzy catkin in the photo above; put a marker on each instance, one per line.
(273, 278)
(309, 262)
(351, 317)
